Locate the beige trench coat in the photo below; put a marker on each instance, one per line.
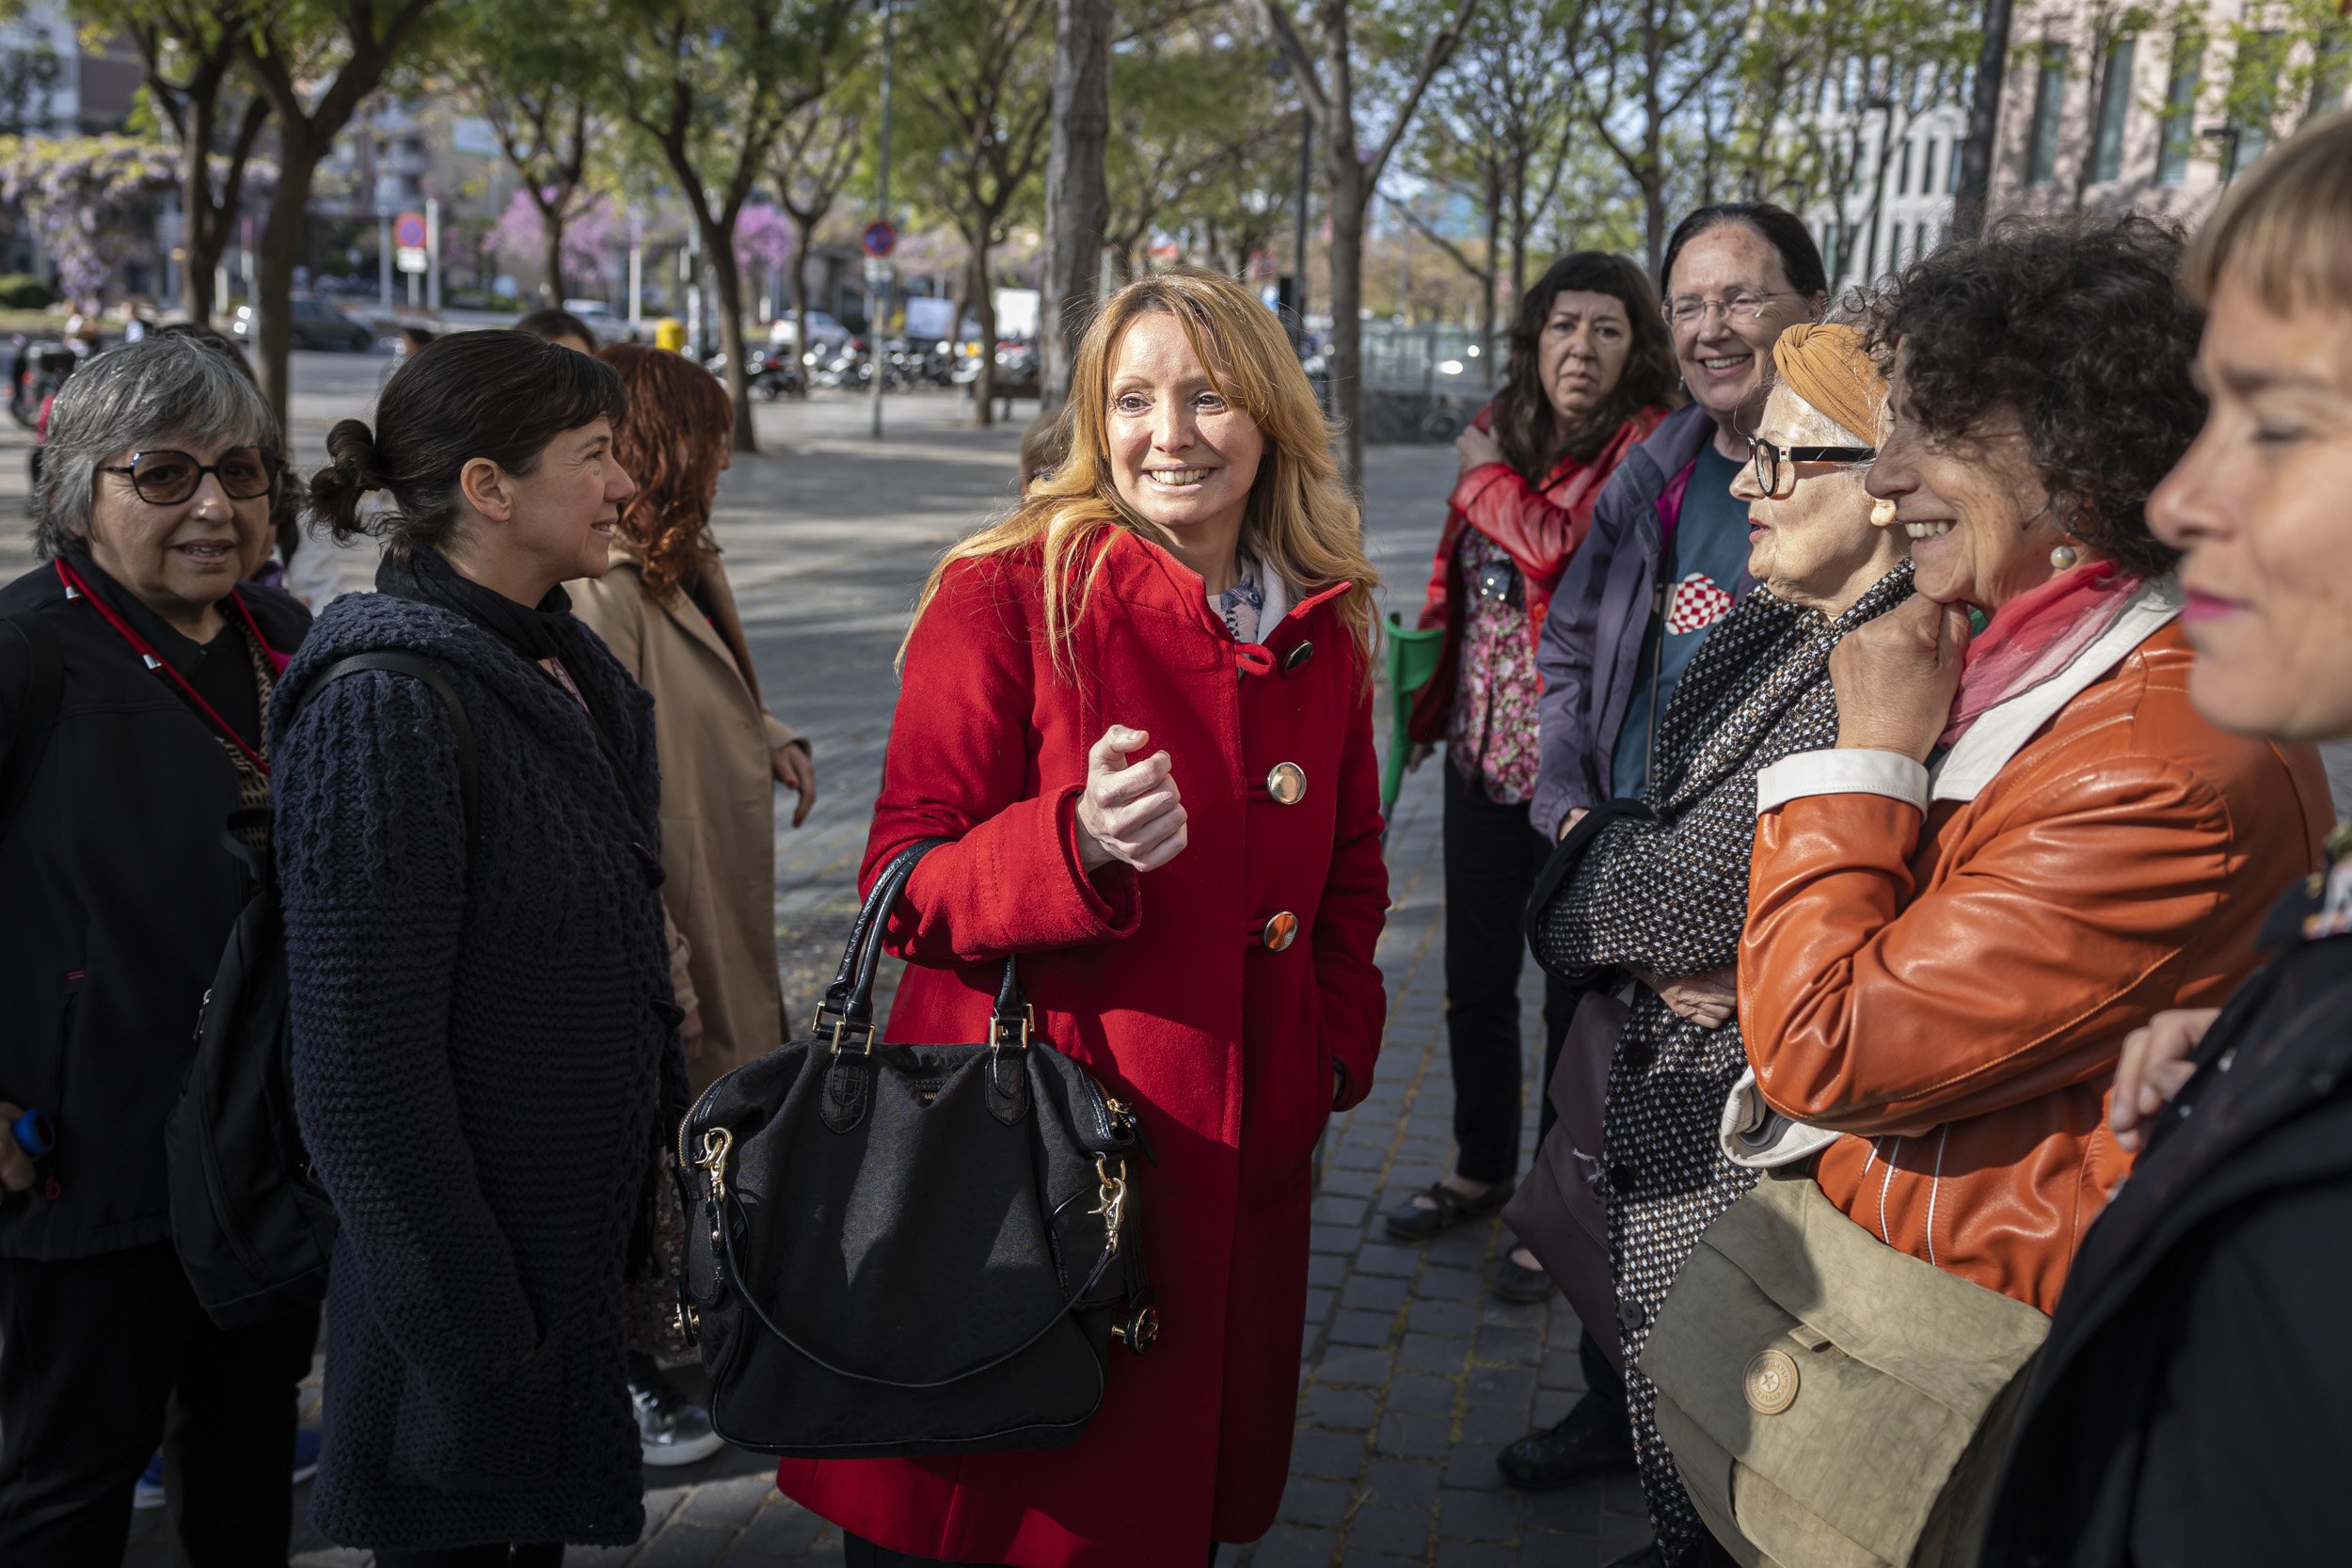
(717, 741)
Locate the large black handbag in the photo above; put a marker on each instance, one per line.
(897, 1250)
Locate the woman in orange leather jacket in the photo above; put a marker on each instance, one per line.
(2025, 842)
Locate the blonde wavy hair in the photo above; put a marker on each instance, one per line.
(1301, 523)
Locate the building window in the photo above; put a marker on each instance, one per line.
(2115, 103)
(1951, 168)
(2180, 108)
(1903, 181)
(2254, 95)
(1926, 167)
(2049, 102)
(1829, 247)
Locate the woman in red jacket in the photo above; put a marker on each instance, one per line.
(1140, 705)
(1592, 371)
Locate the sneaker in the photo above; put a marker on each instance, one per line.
(1590, 1439)
(670, 1430)
(306, 1455)
(148, 1493)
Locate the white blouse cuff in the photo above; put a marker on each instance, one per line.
(1851, 771)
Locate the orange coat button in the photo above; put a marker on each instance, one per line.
(1280, 932)
(1287, 784)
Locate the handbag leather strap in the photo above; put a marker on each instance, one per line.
(851, 997)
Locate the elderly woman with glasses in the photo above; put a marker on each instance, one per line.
(1651, 914)
(135, 670)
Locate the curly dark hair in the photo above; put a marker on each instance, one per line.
(1525, 425)
(2080, 329)
(671, 442)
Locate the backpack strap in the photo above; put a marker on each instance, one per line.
(428, 670)
(28, 740)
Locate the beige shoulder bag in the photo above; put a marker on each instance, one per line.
(1833, 1403)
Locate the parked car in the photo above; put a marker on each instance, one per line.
(824, 331)
(609, 324)
(317, 324)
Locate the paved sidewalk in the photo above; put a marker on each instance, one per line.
(1411, 1376)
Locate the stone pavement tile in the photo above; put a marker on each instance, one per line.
(1400, 1484)
(682, 1545)
(1373, 1294)
(1437, 1283)
(1375, 1560)
(1315, 1453)
(726, 1505)
(1358, 1183)
(1363, 1328)
(1478, 1515)
(1384, 1256)
(1336, 1208)
(1405, 1434)
(1401, 1532)
(1571, 1511)
(1475, 1554)
(1320, 1503)
(1509, 1345)
(782, 1528)
(1424, 1393)
(1345, 1409)
(1369, 1369)
(1456, 1317)
(1471, 1465)
(1325, 1270)
(1432, 1353)
(1295, 1547)
(1334, 1238)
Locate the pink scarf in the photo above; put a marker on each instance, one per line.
(2035, 636)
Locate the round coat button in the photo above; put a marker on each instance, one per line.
(1298, 656)
(1287, 784)
(1280, 932)
(1630, 1317)
(1770, 1382)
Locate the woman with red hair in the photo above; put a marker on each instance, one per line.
(667, 613)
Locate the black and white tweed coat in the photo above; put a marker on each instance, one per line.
(1668, 894)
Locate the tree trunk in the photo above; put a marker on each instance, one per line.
(1348, 201)
(1077, 204)
(802, 234)
(199, 246)
(1486, 354)
(728, 277)
(552, 228)
(282, 237)
(1984, 123)
(984, 312)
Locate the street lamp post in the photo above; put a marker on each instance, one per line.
(877, 269)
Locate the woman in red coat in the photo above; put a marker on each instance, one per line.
(1140, 705)
(1592, 371)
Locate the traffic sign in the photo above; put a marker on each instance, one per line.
(881, 239)
(410, 257)
(408, 230)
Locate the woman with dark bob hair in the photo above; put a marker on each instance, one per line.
(1592, 371)
(482, 1022)
(2027, 842)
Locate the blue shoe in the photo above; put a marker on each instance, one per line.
(306, 1455)
(148, 1493)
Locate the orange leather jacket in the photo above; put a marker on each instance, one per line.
(1947, 978)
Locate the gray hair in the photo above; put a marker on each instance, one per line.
(160, 392)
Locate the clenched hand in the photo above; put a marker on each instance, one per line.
(1894, 677)
(1131, 812)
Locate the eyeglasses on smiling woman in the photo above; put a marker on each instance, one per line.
(168, 478)
(1747, 305)
(1776, 466)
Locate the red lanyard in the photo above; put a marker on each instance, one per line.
(76, 589)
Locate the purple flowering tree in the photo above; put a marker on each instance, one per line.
(592, 236)
(86, 198)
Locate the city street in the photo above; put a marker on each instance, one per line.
(1411, 1376)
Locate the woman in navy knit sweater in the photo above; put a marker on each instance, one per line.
(483, 1030)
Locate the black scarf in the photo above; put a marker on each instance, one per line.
(547, 630)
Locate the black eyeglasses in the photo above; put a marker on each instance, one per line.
(1776, 467)
(168, 478)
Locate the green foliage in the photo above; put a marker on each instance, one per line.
(23, 291)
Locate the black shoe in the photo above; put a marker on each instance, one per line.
(1591, 1439)
(1515, 1281)
(1414, 1222)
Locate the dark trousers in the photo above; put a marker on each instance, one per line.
(550, 1555)
(1492, 855)
(104, 1359)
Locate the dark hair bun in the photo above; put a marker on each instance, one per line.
(335, 490)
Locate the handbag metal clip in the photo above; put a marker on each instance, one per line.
(842, 1030)
(998, 1035)
(1112, 1198)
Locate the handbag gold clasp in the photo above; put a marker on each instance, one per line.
(1112, 1198)
(716, 1141)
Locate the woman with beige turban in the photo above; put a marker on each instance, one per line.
(1654, 909)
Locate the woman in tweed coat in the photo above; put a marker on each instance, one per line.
(1657, 905)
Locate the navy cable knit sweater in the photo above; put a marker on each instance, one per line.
(478, 1053)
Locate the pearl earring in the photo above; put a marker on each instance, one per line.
(2064, 557)
(1881, 513)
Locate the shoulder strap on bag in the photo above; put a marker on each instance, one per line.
(28, 741)
(428, 670)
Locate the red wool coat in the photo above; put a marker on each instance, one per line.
(1162, 985)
